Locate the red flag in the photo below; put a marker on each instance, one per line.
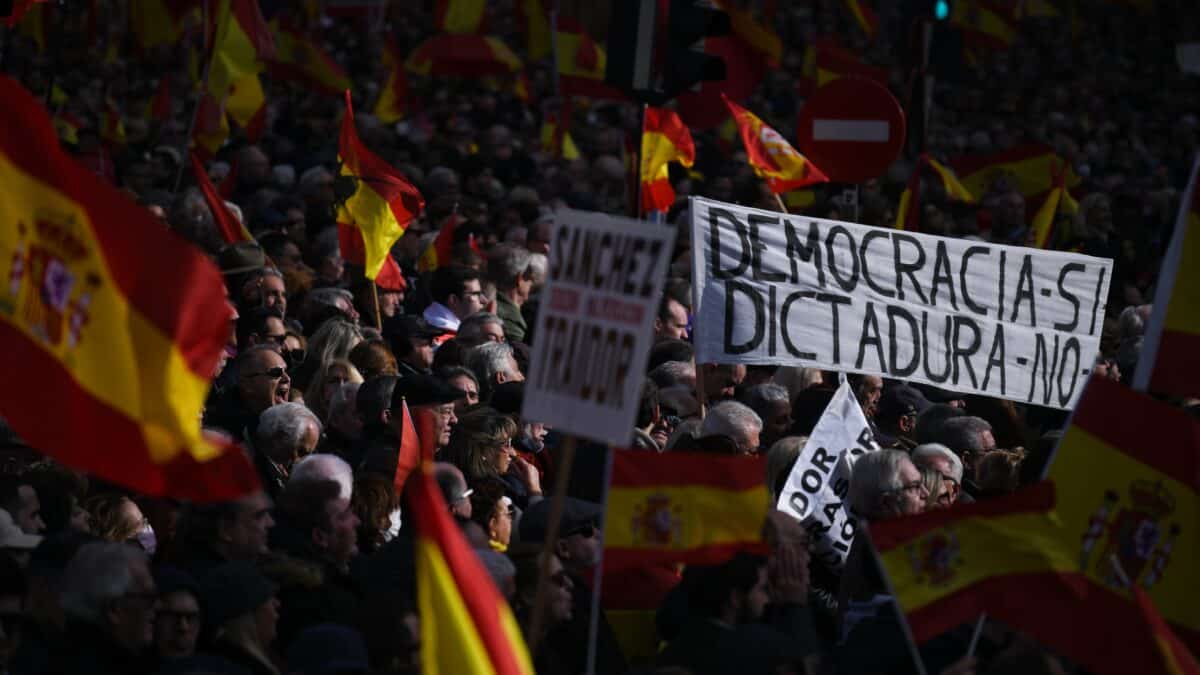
(1177, 660)
(232, 230)
(351, 244)
(437, 254)
(772, 157)
(410, 450)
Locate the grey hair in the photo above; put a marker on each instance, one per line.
(328, 296)
(672, 373)
(1132, 323)
(322, 466)
(506, 263)
(98, 574)
(470, 329)
(487, 360)
(343, 397)
(761, 397)
(780, 458)
(284, 424)
(874, 475)
(962, 433)
(732, 419)
(932, 451)
(538, 264)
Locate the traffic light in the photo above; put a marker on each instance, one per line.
(941, 9)
(684, 66)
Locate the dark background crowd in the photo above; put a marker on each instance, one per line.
(316, 573)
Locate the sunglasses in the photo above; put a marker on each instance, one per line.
(274, 373)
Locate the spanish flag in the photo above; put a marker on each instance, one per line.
(390, 106)
(1032, 168)
(1168, 360)
(437, 254)
(112, 127)
(752, 33)
(683, 507)
(247, 105)
(581, 63)
(1013, 558)
(825, 62)
(299, 58)
(383, 202)
(459, 16)
(350, 245)
(1058, 201)
(232, 230)
(1129, 493)
(556, 140)
(1176, 658)
(159, 22)
(409, 455)
(954, 189)
(241, 45)
(118, 322)
(864, 16)
(536, 26)
(665, 139)
(212, 127)
(462, 56)
(466, 626)
(983, 24)
(771, 156)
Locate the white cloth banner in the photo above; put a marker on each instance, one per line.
(816, 488)
(593, 334)
(1007, 321)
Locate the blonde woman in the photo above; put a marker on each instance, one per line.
(325, 382)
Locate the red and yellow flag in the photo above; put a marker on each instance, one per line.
(437, 254)
(383, 203)
(1176, 658)
(864, 16)
(466, 626)
(462, 56)
(581, 63)
(113, 318)
(954, 189)
(825, 62)
(112, 126)
(460, 16)
(241, 45)
(1130, 493)
(390, 106)
(556, 140)
(409, 455)
(247, 105)
(298, 57)
(1031, 169)
(1059, 200)
(212, 127)
(665, 139)
(1168, 360)
(753, 33)
(983, 24)
(159, 22)
(536, 26)
(683, 507)
(771, 156)
(350, 243)
(231, 229)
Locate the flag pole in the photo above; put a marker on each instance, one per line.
(594, 621)
(204, 18)
(637, 158)
(562, 474)
(779, 201)
(375, 300)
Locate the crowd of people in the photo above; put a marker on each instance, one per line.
(316, 574)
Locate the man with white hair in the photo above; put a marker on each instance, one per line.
(774, 407)
(736, 422)
(941, 459)
(108, 596)
(508, 268)
(493, 363)
(324, 467)
(285, 433)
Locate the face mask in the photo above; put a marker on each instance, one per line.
(147, 540)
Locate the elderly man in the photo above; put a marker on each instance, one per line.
(479, 328)
(941, 459)
(508, 268)
(456, 295)
(108, 597)
(971, 438)
(426, 395)
(213, 534)
(261, 381)
(774, 407)
(286, 433)
(454, 488)
(674, 374)
(493, 363)
(730, 427)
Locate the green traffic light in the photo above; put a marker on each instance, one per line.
(941, 10)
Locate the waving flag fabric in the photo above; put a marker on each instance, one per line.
(665, 139)
(383, 202)
(232, 230)
(241, 44)
(298, 57)
(118, 321)
(771, 156)
(390, 106)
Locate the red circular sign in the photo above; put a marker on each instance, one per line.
(852, 129)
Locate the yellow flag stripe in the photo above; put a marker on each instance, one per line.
(115, 341)
(699, 516)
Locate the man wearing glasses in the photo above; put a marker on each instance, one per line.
(262, 381)
(457, 294)
(941, 459)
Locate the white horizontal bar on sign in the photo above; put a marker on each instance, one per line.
(865, 131)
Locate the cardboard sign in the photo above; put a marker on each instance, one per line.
(816, 489)
(1007, 321)
(594, 328)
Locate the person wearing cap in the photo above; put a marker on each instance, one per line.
(431, 394)
(241, 613)
(578, 547)
(177, 622)
(412, 340)
(457, 294)
(328, 649)
(896, 416)
(239, 262)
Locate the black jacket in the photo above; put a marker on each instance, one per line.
(93, 652)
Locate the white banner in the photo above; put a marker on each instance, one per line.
(1007, 321)
(816, 488)
(594, 328)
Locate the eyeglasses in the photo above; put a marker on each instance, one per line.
(274, 373)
